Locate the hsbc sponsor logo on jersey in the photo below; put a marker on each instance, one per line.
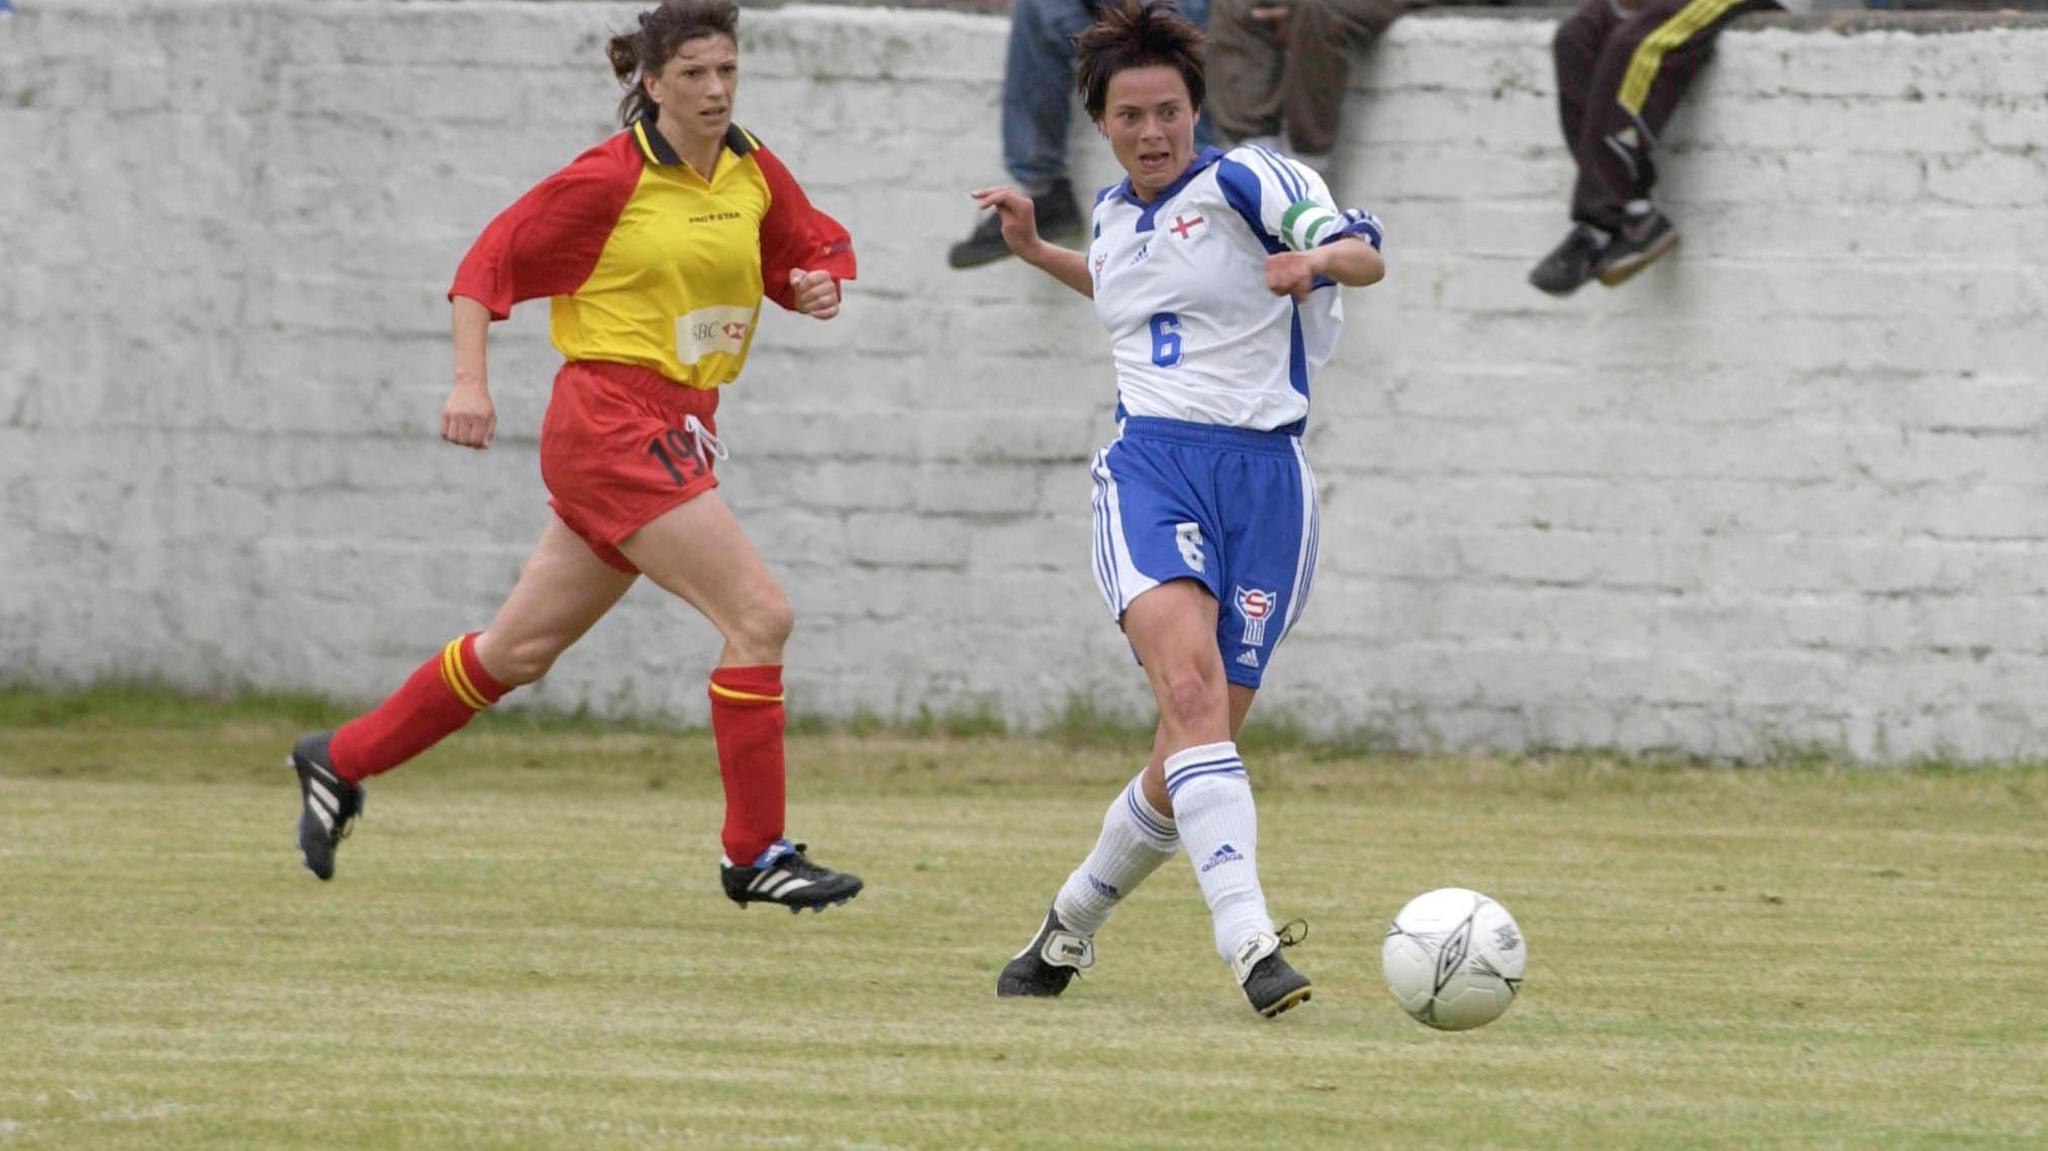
(1255, 607)
(719, 329)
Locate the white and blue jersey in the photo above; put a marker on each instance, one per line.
(1208, 480)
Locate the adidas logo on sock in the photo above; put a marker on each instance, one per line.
(1107, 890)
(1219, 857)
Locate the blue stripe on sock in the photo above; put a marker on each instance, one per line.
(1187, 767)
(1174, 785)
(1147, 819)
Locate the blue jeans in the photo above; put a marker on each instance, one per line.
(1038, 85)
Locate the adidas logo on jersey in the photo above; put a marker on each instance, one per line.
(1249, 657)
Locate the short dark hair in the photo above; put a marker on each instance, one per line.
(1136, 34)
(663, 30)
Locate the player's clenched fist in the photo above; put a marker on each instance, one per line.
(1291, 274)
(817, 293)
(468, 417)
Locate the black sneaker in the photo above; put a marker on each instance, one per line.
(329, 804)
(1635, 246)
(1270, 985)
(1045, 966)
(1059, 218)
(1571, 263)
(783, 875)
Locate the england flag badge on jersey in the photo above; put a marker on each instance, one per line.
(1188, 225)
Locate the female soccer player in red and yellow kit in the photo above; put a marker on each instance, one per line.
(655, 249)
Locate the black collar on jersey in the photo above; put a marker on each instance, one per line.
(657, 146)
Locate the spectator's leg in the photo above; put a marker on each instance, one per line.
(1576, 51)
(1244, 71)
(1038, 89)
(1322, 35)
(1647, 65)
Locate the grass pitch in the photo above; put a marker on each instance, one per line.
(526, 946)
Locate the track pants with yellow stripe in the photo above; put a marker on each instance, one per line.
(1620, 72)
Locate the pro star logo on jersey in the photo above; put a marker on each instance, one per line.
(1187, 226)
(1255, 606)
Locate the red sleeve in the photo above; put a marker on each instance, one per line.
(547, 242)
(796, 235)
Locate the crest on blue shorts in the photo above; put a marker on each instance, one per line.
(1255, 607)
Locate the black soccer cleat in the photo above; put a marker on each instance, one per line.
(1569, 265)
(1053, 957)
(1636, 245)
(1270, 984)
(783, 875)
(1058, 215)
(328, 803)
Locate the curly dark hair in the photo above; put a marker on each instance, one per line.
(1135, 34)
(663, 30)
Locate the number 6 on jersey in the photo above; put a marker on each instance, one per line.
(1165, 339)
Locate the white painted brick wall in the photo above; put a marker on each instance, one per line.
(1786, 488)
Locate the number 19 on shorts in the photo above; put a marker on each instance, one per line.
(677, 454)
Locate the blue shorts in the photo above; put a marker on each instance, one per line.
(1232, 509)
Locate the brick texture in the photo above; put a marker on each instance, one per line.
(1786, 489)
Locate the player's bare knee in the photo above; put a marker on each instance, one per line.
(764, 625)
(1188, 698)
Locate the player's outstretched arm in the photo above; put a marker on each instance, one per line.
(1350, 261)
(1020, 232)
(468, 417)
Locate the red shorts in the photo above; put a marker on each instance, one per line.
(617, 450)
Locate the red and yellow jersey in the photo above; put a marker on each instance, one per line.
(648, 262)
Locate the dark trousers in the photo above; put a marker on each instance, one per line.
(1620, 73)
(1260, 84)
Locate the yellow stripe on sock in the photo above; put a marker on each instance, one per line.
(1649, 55)
(457, 677)
(723, 692)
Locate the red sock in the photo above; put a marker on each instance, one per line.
(441, 696)
(746, 722)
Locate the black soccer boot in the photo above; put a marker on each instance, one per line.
(329, 804)
(1053, 957)
(783, 875)
(1270, 985)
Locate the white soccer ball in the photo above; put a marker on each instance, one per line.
(1453, 958)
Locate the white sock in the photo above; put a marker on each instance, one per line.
(1212, 802)
(1135, 840)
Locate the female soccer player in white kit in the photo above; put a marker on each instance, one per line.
(1216, 276)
